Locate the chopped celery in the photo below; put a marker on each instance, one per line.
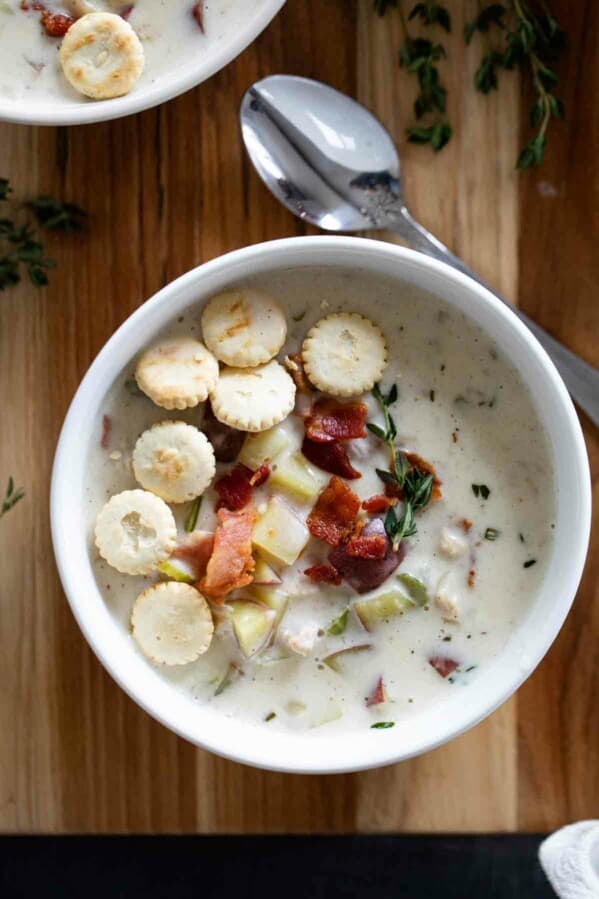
(382, 607)
(177, 570)
(415, 588)
(337, 660)
(297, 477)
(279, 534)
(263, 447)
(338, 625)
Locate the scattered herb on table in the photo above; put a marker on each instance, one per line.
(11, 497)
(382, 725)
(520, 34)
(415, 486)
(20, 248)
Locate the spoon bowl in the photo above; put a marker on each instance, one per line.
(333, 164)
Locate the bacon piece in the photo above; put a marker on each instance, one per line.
(443, 665)
(231, 564)
(235, 488)
(54, 24)
(331, 420)
(106, 430)
(378, 503)
(195, 550)
(331, 457)
(323, 574)
(226, 442)
(261, 475)
(332, 518)
(197, 12)
(364, 575)
(295, 366)
(373, 547)
(465, 524)
(378, 695)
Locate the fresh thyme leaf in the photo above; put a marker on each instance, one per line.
(11, 497)
(436, 135)
(492, 14)
(338, 625)
(192, 518)
(376, 430)
(57, 216)
(381, 6)
(19, 248)
(432, 14)
(382, 725)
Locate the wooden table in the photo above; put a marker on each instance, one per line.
(167, 190)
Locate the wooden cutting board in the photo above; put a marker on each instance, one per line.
(169, 189)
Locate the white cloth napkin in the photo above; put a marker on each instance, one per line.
(570, 859)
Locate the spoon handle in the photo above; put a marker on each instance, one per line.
(581, 379)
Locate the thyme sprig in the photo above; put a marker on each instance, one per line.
(11, 497)
(415, 486)
(532, 42)
(20, 248)
(420, 57)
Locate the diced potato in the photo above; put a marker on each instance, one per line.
(262, 447)
(264, 574)
(252, 624)
(279, 534)
(338, 660)
(275, 599)
(379, 609)
(296, 476)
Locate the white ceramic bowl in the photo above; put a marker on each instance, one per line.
(307, 752)
(42, 111)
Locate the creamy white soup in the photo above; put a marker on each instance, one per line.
(31, 33)
(368, 639)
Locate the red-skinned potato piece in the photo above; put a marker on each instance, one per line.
(331, 457)
(364, 575)
(443, 665)
(331, 420)
(332, 518)
(226, 442)
(378, 694)
(323, 574)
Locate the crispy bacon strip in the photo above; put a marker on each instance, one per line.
(261, 475)
(378, 503)
(331, 457)
(332, 518)
(331, 420)
(54, 24)
(443, 665)
(323, 574)
(231, 564)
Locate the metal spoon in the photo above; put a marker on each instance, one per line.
(333, 164)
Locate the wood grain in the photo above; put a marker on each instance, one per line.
(166, 190)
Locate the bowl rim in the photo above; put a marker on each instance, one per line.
(89, 112)
(293, 752)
